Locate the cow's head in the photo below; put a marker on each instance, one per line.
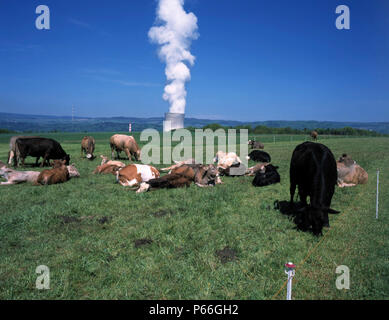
(316, 218)
(58, 163)
(73, 172)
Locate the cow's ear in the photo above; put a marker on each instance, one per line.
(329, 210)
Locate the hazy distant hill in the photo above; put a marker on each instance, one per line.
(39, 123)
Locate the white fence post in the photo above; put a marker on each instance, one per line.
(378, 183)
(289, 270)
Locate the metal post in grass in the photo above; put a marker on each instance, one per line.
(289, 270)
(377, 197)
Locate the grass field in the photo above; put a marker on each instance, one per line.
(85, 230)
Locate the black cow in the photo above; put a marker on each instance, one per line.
(313, 170)
(268, 175)
(40, 147)
(259, 156)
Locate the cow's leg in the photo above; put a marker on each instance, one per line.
(6, 183)
(112, 152)
(36, 161)
(23, 165)
(128, 153)
(292, 192)
(44, 159)
(82, 149)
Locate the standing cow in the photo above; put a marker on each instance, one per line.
(47, 148)
(256, 144)
(314, 135)
(88, 146)
(121, 142)
(313, 170)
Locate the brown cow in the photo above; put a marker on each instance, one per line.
(88, 146)
(121, 142)
(183, 176)
(314, 135)
(58, 174)
(350, 173)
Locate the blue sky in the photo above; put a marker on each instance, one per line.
(255, 60)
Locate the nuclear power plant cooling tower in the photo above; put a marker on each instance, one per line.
(173, 121)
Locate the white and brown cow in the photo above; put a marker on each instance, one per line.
(134, 174)
(224, 161)
(350, 173)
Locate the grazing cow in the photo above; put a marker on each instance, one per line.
(256, 144)
(314, 135)
(259, 156)
(350, 173)
(40, 147)
(266, 175)
(179, 164)
(183, 176)
(121, 142)
(313, 170)
(134, 174)
(12, 149)
(88, 146)
(106, 169)
(58, 174)
(104, 160)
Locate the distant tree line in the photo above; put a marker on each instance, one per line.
(6, 131)
(346, 131)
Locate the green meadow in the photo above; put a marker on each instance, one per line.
(87, 232)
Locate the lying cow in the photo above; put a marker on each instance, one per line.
(255, 144)
(58, 174)
(121, 142)
(350, 173)
(183, 176)
(104, 160)
(134, 174)
(313, 170)
(259, 156)
(266, 175)
(16, 177)
(106, 169)
(40, 147)
(88, 147)
(179, 164)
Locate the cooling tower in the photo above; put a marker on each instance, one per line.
(173, 121)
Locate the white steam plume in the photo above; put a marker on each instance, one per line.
(175, 31)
